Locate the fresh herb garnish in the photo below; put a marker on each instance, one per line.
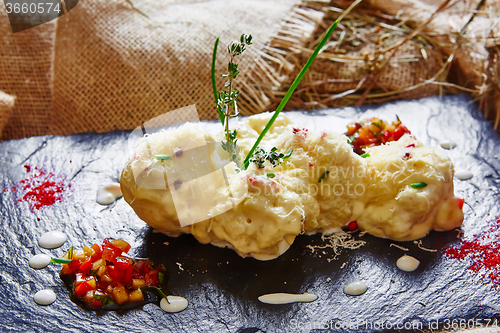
(161, 277)
(418, 185)
(163, 157)
(70, 253)
(104, 299)
(61, 261)
(155, 289)
(226, 100)
(289, 93)
(270, 175)
(323, 176)
(273, 157)
(365, 155)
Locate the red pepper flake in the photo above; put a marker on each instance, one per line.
(352, 226)
(411, 145)
(300, 131)
(482, 252)
(178, 152)
(41, 188)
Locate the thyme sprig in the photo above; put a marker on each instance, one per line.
(273, 157)
(226, 99)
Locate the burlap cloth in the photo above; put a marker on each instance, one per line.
(105, 66)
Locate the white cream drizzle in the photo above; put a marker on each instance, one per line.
(52, 239)
(45, 297)
(283, 298)
(463, 174)
(355, 288)
(108, 194)
(448, 144)
(173, 303)
(39, 261)
(407, 263)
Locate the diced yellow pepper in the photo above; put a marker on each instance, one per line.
(120, 294)
(135, 296)
(137, 283)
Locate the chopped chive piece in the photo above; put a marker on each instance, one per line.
(270, 175)
(323, 176)
(163, 157)
(289, 93)
(161, 277)
(365, 155)
(70, 253)
(287, 155)
(61, 261)
(214, 84)
(155, 289)
(418, 185)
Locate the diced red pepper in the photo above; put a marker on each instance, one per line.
(86, 266)
(398, 133)
(122, 263)
(115, 273)
(110, 252)
(75, 264)
(127, 279)
(460, 202)
(82, 288)
(387, 136)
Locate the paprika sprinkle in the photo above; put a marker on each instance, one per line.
(483, 252)
(41, 188)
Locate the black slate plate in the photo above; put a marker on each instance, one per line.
(221, 287)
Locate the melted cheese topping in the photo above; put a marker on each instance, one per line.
(322, 186)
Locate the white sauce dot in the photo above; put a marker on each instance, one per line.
(407, 263)
(448, 144)
(107, 194)
(463, 175)
(52, 239)
(355, 288)
(283, 298)
(39, 261)
(45, 297)
(174, 304)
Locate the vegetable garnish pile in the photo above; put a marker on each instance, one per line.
(374, 132)
(102, 277)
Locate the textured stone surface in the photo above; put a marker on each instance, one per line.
(221, 287)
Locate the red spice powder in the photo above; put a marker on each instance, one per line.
(483, 252)
(41, 188)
